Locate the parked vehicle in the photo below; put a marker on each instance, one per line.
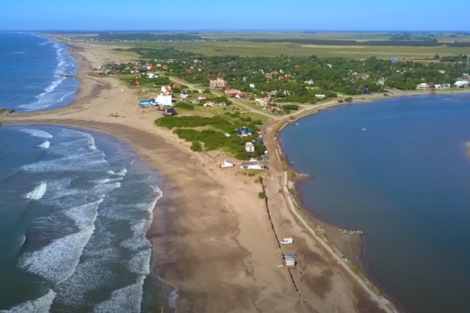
(290, 256)
(170, 111)
(287, 241)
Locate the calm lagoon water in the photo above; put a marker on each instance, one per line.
(404, 181)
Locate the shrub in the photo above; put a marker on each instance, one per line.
(184, 106)
(261, 195)
(196, 146)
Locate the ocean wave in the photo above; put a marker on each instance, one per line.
(45, 145)
(38, 192)
(57, 261)
(36, 132)
(19, 52)
(140, 262)
(64, 62)
(127, 299)
(40, 305)
(122, 172)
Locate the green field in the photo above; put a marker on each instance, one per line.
(359, 36)
(276, 49)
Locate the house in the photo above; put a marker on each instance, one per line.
(217, 84)
(320, 97)
(165, 67)
(200, 98)
(210, 104)
(308, 82)
(227, 163)
(253, 165)
(165, 89)
(249, 147)
(462, 83)
(164, 100)
(252, 85)
(381, 81)
(152, 75)
(422, 86)
(244, 131)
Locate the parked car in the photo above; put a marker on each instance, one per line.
(287, 241)
(290, 256)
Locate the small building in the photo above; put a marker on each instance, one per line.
(249, 147)
(145, 102)
(253, 165)
(165, 89)
(320, 97)
(308, 82)
(152, 75)
(227, 163)
(422, 86)
(244, 131)
(462, 83)
(200, 98)
(164, 100)
(210, 104)
(217, 84)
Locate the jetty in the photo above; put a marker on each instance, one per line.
(4, 113)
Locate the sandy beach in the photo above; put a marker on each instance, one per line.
(218, 246)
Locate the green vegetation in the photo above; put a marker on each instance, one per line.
(262, 195)
(196, 146)
(327, 76)
(275, 49)
(212, 132)
(184, 106)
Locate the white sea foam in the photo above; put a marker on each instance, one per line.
(140, 262)
(45, 145)
(38, 192)
(40, 305)
(122, 172)
(19, 52)
(44, 100)
(84, 215)
(58, 260)
(35, 132)
(127, 299)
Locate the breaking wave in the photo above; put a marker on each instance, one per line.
(45, 145)
(92, 240)
(127, 299)
(38, 192)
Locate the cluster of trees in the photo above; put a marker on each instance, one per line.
(113, 37)
(213, 139)
(329, 75)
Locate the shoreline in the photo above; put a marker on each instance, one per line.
(219, 249)
(308, 215)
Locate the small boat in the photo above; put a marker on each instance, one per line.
(363, 129)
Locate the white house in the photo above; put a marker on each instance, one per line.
(320, 97)
(462, 83)
(252, 85)
(152, 75)
(422, 86)
(227, 163)
(308, 82)
(249, 147)
(253, 165)
(164, 100)
(165, 89)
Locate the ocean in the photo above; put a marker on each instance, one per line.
(75, 205)
(398, 170)
(30, 71)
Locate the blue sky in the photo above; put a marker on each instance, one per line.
(234, 15)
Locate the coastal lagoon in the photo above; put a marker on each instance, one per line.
(396, 169)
